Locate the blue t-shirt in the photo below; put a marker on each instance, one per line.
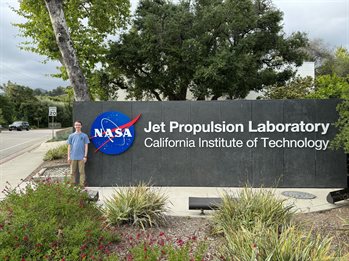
(77, 143)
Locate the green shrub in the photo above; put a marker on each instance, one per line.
(52, 221)
(267, 243)
(250, 207)
(60, 152)
(141, 206)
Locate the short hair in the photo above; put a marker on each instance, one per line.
(78, 122)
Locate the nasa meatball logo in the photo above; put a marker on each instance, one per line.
(113, 132)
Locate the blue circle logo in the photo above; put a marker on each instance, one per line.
(113, 132)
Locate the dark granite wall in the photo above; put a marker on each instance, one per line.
(282, 167)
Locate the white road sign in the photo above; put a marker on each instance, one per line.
(52, 111)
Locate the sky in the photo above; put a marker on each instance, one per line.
(320, 19)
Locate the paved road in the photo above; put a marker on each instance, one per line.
(13, 143)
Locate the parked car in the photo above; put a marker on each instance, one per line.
(19, 125)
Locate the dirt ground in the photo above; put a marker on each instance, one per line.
(331, 223)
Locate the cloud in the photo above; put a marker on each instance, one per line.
(324, 19)
(20, 66)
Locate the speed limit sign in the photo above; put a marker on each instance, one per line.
(52, 111)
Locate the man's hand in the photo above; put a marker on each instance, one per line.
(85, 159)
(69, 160)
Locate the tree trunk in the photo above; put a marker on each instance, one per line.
(65, 44)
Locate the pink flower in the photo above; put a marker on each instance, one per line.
(180, 242)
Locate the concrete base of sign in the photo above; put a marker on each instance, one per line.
(179, 198)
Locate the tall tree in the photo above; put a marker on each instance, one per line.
(68, 53)
(328, 61)
(337, 63)
(8, 109)
(296, 88)
(333, 86)
(22, 99)
(2, 119)
(73, 32)
(213, 48)
(330, 87)
(57, 91)
(318, 52)
(324, 87)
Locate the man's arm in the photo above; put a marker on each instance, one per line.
(68, 153)
(86, 151)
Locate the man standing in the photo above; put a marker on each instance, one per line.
(77, 153)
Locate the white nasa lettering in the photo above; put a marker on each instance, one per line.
(98, 133)
(127, 133)
(118, 133)
(108, 133)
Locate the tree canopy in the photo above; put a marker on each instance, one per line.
(89, 23)
(22, 103)
(296, 88)
(331, 81)
(213, 48)
(2, 119)
(323, 87)
(328, 60)
(337, 63)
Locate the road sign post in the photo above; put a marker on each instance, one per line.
(52, 111)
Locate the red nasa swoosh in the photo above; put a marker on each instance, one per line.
(122, 127)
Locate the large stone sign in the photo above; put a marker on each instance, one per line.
(279, 143)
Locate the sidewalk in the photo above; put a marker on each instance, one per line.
(15, 170)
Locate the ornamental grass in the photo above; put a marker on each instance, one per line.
(142, 205)
(60, 152)
(249, 207)
(262, 243)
